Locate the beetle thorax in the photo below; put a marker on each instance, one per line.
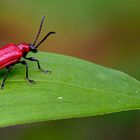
(24, 47)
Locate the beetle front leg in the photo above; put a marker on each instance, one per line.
(3, 81)
(39, 67)
(27, 78)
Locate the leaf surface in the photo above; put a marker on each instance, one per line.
(75, 88)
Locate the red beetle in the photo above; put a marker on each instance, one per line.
(11, 55)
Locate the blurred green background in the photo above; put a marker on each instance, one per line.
(106, 32)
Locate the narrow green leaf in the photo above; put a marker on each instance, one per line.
(75, 88)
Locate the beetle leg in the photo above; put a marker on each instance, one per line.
(39, 67)
(3, 81)
(27, 78)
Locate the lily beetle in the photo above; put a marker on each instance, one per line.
(11, 54)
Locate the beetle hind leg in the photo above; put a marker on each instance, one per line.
(3, 81)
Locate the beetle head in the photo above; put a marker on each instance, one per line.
(33, 48)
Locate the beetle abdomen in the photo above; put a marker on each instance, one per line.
(9, 55)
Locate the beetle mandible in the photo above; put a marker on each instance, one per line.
(12, 53)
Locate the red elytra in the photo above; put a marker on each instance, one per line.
(12, 53)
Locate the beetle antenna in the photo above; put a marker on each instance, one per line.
(44, 39)
(39, 31)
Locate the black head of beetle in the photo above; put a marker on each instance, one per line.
(32, 48)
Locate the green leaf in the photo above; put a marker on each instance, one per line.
(75, 88)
